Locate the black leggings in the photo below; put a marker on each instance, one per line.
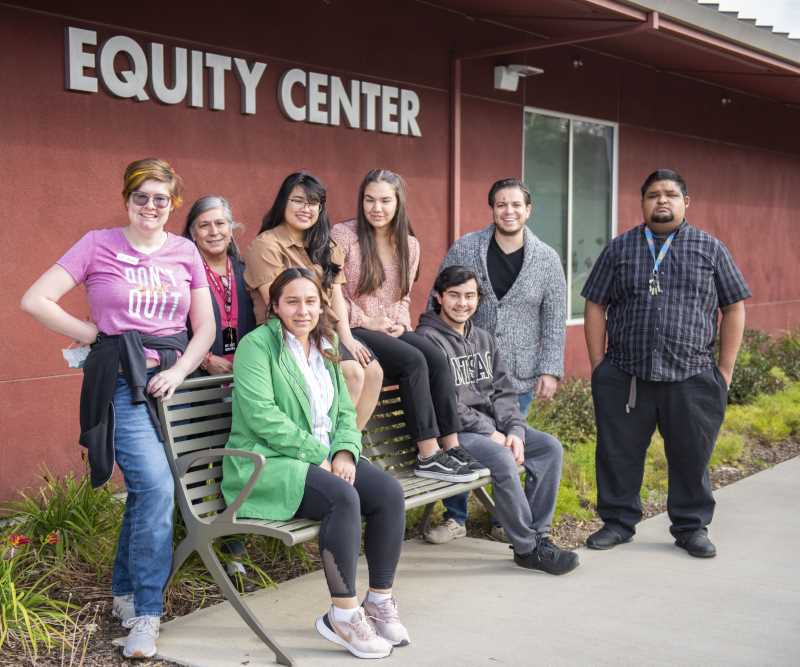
(376, 495)
(421, 369)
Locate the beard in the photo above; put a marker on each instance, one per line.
(662, 217)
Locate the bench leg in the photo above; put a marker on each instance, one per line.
(182, 552)
(426, 519)
(486, 500)
(217, 571)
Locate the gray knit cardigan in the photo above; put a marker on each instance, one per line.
(529, 322)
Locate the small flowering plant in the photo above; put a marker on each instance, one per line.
(18, 540)
(15, 541)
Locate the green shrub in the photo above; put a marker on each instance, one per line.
(68, 518)
(654, 484)
(785, 353)
(768, 419)
(578, 489)
(753, 374)
(29, 618)
(729, 449)
(569, 416)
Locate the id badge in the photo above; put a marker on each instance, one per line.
(229, 340)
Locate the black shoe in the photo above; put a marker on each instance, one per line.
(464, 457)
(548, 557)
(443, 467)
(606, 538)
(697, 544)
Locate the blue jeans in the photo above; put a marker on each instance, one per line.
(144, 550)
(455, 507)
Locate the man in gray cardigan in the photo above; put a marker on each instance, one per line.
(524, 306)
(493, 430)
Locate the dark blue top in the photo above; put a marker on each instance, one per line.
(668, 337)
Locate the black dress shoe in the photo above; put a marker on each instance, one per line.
(697, 544)
(606, 538)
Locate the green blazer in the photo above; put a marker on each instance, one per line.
(272, 416)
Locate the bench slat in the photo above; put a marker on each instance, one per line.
(209, 506)
(197, 396)
(197, 411)
(390, 448)
(203, 491)
(215, 441)
(206, 472)
(223, 424)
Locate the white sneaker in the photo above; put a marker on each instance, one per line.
(122, 607)
(386, 620)
(357, 636)
(141, 641)
(445, 532)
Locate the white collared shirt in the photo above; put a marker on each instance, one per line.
(319, 386)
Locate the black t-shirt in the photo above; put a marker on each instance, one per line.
(503, 268)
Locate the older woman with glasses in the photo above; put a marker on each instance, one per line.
(296, 232)
(141, 284)
(210, 225)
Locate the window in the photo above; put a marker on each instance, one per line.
(570, 166)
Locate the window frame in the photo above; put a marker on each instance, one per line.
(574, 321)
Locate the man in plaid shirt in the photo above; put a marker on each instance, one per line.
(653, 296)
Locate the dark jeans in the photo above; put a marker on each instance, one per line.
(688, 415)
(377, 497)
(426, 383)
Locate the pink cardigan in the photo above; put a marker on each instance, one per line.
(384, 300)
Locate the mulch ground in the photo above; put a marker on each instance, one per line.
(100, 652)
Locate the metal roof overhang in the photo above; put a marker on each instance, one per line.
(723, 52)
(715, 49)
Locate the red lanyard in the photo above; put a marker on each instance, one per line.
(223, 286)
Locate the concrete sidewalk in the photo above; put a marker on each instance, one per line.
(645, 603)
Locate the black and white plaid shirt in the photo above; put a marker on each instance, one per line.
(668, 337)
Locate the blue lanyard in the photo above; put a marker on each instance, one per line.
(651, 244)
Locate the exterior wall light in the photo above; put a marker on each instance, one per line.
(506, 77)
(726, 101)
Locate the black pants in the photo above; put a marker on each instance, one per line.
(688, 415)
(426, 383)
(375, 495)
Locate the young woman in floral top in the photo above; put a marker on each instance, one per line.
(381, 261)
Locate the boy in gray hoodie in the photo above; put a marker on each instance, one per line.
(493, 428)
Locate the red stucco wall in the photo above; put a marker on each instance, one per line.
(64, 153)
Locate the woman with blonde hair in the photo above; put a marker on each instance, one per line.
(141, 284)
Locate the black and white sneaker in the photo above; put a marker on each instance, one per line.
(443, 467)
(463, 456)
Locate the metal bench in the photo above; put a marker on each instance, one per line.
(196, 424)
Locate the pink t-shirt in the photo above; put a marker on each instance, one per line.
(128, 290)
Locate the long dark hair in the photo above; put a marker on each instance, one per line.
(317, 240)
(372, 273)
(324, 329)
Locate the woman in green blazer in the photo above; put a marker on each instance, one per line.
(290, 404)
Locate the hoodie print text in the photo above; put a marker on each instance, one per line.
(471, 368)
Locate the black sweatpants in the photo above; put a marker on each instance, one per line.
(688, 415)
(426, 383)
(375, 495)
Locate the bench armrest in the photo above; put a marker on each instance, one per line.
(258, 460)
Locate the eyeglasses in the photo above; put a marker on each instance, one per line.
(299, 204)
(142, 198)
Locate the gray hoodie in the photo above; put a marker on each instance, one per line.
(487, 401)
